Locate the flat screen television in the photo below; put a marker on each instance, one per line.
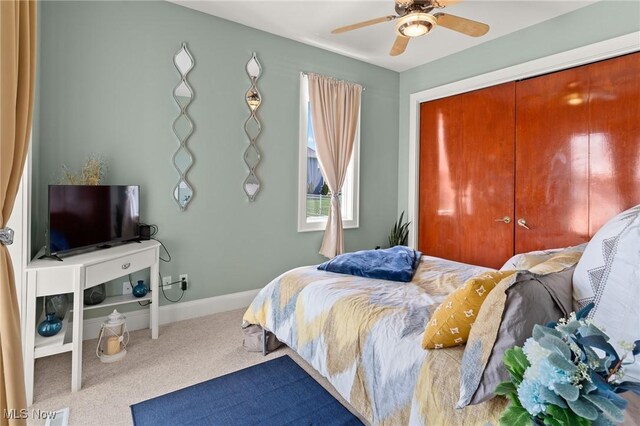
(89, 216)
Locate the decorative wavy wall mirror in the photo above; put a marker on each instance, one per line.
(183, 127)
(252, 128)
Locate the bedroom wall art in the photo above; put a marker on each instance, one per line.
(252, 128)
(183, 127)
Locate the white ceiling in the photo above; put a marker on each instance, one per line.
(311, 22)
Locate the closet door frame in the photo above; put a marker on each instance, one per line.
(583, 55)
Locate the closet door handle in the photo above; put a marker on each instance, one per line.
(523, 223)
(505, 219)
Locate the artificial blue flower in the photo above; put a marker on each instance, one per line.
(535, 353)
(530, 398)
(548, 375)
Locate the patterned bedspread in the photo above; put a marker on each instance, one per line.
(364, 335)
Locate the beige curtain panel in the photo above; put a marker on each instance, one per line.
(335, 110)
(17, 71)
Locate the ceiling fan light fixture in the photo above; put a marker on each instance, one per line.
(415, 24)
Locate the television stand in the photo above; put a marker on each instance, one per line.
(76, 274)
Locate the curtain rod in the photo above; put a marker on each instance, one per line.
(305, 73)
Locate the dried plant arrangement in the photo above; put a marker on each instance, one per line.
(93, 172)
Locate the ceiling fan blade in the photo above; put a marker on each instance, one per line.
(462, 25)
(363, 24)
(399, 45)
(445, 3)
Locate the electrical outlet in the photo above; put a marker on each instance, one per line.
(126, 287)
(166, 281)
(185, 278)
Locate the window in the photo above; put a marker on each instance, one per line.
(313, 195)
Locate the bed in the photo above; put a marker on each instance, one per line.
(364, 335)
(378, 365)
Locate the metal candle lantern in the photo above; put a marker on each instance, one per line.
(113, 338)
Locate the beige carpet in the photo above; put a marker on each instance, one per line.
(187, 352)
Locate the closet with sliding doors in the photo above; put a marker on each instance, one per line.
(532, 164)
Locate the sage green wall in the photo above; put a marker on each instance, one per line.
(106, 77)
(591, 24)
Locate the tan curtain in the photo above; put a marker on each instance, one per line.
(335, 107)
(17, 71)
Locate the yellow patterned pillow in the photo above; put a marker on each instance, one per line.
(451, 322)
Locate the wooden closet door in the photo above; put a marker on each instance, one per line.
(614, 138)
(552, 161)
(466, 176)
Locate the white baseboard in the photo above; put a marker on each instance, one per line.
(138, 320)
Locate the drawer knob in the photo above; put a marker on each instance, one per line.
(126, 265)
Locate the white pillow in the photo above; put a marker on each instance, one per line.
(608, 274)
(526, 261)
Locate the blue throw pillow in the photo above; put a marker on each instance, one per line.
(397, 263)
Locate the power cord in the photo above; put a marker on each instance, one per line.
(165, 249)
(154, 231)
(165, 295)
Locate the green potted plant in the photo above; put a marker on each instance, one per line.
(399, 235)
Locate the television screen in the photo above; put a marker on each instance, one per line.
(84, 216)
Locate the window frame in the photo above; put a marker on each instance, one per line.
(351, 196)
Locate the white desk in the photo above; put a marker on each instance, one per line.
(73, 275)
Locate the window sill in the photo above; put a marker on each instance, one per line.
(322, 224)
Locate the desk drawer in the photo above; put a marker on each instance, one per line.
(109, 270)
(52, 281)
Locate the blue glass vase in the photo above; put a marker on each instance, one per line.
(50, 326)
(140, 290)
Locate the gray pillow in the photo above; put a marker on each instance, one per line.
(531, 299)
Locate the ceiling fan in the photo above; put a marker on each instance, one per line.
(414, 19)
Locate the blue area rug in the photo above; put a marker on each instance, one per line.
(276, 392)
